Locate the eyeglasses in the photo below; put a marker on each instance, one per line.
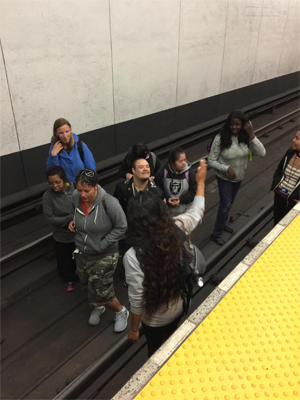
(56, 183)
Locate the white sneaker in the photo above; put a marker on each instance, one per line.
(121, 318)
(95, 315)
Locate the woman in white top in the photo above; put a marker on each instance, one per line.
(153, 264)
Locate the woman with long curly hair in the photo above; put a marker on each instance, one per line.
(153, 264)
(229, 158)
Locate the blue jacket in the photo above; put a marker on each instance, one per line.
(71, 162)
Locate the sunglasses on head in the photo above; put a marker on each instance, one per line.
(88, 173)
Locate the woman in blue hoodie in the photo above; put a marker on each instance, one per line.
(68, 151)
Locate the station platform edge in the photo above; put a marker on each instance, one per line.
(243, 341)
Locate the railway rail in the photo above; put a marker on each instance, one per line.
(90, 384)
(105, 376)
(108, 170)
(264, 131)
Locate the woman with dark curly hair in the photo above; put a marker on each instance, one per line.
(153, 263)
(229, 158)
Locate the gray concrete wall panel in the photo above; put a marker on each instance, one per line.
(8, 134)
(58, 60)
(289, 58)
(270, 39)
(145, 52)
(202, 36)
(242, 30)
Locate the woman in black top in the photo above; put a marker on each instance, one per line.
(286, 181)
(139, 150)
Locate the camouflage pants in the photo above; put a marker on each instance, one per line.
(96, 277)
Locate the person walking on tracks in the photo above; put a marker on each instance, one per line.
(286, 181)
(99, 222)
(229, 156)
(177, 180)
(153, 264)
(58, 210)
(140, 182)
(68, 151)
(137, 151)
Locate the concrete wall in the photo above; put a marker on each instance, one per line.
(102, 62)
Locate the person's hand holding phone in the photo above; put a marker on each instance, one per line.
(174, 201)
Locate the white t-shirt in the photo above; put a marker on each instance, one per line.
(135, 276)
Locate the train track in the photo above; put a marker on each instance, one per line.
(264, 131)
(91, 383)
(110, 171)
(122, 355)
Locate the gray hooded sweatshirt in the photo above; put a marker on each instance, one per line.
(98, 232)
(58, 210)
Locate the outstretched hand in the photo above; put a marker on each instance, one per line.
(201, 172)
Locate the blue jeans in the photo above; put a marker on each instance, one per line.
(227, 192)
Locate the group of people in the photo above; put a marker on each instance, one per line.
(144, 219)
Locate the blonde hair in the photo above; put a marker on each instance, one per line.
(57, 124)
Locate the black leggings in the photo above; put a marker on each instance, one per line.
(281, 207)
(157, 335)
(65, 263)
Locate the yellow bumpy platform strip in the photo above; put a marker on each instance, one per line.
(248, 347)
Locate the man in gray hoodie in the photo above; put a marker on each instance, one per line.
(99, 222)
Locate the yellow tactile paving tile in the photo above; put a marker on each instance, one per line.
(248, 347)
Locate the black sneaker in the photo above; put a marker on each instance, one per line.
(220, 241)
(229, 230)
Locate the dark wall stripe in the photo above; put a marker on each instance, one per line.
(110, 141)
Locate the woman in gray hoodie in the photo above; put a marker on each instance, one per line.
(58, 210)
(229, 156)
(99, 223)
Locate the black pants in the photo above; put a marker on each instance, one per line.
(157, 335)
(66, 265)
(281, 207)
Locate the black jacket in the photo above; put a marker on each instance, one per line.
(153, 160)
(123, 192)
(279, 175)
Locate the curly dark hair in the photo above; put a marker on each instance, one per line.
(57, 170)
(154, 237)
(226, 132)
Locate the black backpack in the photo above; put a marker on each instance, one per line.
(80, 150)
(193, 268)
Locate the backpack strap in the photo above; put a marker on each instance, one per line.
(80, 150)
(187, 176)
(153, 158)
(104, 203)
(165, 174)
